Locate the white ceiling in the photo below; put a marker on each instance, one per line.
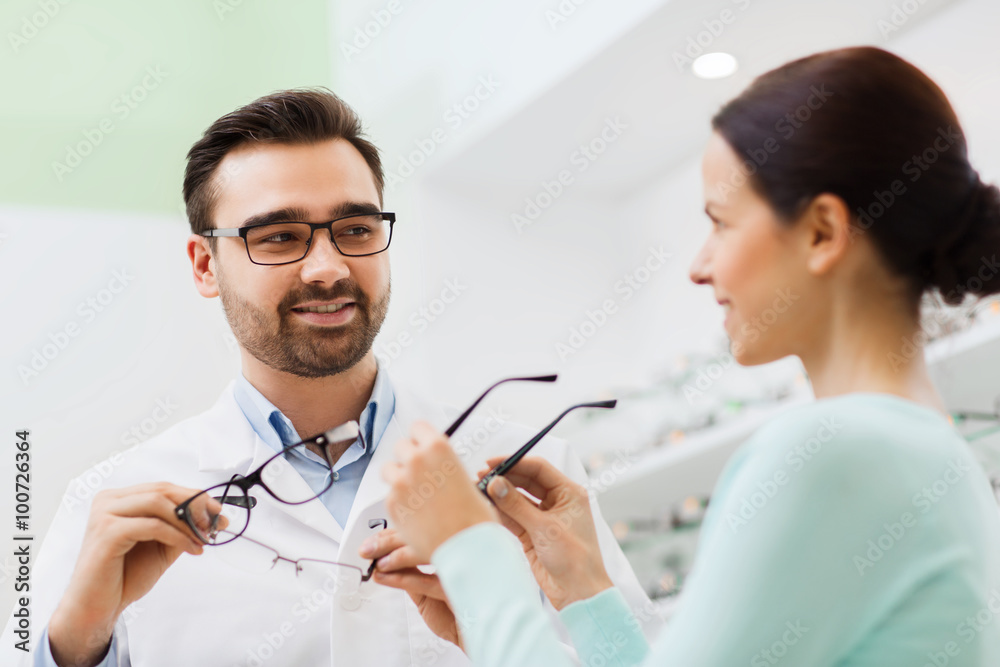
(667, 108)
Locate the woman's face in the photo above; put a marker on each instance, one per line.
(753, 263)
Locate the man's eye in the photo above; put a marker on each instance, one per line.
(282, 237)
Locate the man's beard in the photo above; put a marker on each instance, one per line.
(307, 350)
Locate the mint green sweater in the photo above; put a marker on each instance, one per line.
(856, 530)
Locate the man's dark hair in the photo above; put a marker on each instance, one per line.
(297, 116)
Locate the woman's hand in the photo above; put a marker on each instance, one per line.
(396, 567)
(431, 498)
(558, 534)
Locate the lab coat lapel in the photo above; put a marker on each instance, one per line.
(369, 503)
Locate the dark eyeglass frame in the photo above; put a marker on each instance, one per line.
(504, 466)
(313, 226)
(465, 415)
(511, 461)
(255, 478)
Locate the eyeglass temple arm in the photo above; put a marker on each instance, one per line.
(220, 232)
(374, 523)
(513, 460)
(461, 418)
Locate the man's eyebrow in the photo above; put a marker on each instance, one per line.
(286, 214)
(294, 213)
(353, 207)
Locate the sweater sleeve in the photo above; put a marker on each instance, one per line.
(495, 600)
(604, 630)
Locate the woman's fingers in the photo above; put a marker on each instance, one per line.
(431, 497)
(514, 504)
(381, 543)
(413, 581)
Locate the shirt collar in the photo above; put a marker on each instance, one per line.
(275, 429)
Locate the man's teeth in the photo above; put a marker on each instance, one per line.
(323, 309)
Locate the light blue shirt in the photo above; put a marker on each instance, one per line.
(276, 430)
(855, 531)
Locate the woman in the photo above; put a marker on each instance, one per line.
(840, 191)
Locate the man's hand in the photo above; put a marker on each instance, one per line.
(397, 568)
(132, 537)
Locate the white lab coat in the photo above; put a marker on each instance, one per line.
(204, 611)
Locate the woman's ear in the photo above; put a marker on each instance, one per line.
(828, 232)
(203, 266)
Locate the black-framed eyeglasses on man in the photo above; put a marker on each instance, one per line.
(204, 511)
(273, 243)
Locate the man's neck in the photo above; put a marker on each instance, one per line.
(314, 405)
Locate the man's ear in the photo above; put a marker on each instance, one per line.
(203, 266)
(828, 233)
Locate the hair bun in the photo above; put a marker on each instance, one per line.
(964, 261)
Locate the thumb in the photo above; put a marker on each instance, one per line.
(513, 504)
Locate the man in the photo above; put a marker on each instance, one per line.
(305, 304)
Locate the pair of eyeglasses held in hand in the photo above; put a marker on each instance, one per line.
(234, 496)
(514, 459)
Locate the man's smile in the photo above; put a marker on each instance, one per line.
(330, 314)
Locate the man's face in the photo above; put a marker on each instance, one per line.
(264, 305)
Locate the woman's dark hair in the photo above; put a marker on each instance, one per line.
(297, 116)
(869, 127)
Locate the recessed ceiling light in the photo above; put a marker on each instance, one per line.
(714, 65)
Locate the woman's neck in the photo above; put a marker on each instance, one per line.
(871, 348)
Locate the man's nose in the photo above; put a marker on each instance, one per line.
(323, 262)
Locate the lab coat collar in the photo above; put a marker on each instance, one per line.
(230, 445)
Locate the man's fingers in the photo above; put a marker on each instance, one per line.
(153, 503)
(413, 581)
(127, 531)
(177, 494)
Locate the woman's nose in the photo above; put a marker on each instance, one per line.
(700, 272)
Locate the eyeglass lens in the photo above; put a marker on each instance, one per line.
(281, 242)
